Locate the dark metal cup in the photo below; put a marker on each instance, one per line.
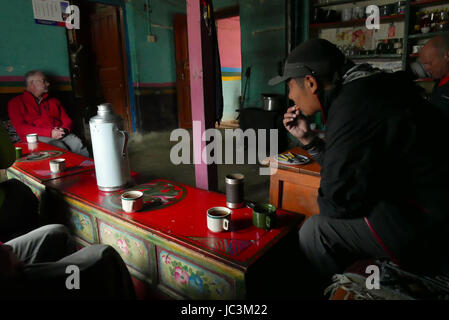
(234, 190)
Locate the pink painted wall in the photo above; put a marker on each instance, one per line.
(228, 31)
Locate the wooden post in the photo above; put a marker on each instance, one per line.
(202, 92)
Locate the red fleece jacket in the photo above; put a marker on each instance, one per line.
(29, 117)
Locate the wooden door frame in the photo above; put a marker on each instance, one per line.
(126, 69)
(125, 52)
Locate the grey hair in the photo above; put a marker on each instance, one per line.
(29, 74)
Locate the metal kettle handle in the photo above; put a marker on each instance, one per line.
(125, 141)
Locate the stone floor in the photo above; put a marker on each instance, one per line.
(149, 154)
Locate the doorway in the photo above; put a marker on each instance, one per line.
(182, 72)
(229, 45)
(98, 60)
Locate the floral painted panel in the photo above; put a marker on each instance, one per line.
(191, 280)
(83, 226)
(132, 250)
(36, 188)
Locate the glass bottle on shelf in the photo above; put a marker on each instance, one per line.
(425, 22)
(434, 20)
(417, 26)
(444, 21)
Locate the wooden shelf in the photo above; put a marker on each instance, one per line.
(353, 23)
(426, 35)
(334, 3)
(423, 3)
(376, 56)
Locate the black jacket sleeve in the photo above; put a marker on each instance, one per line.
(359, 152)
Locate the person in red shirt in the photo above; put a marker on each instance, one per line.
(435, 58)
(34, 111)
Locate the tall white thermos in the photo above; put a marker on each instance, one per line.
(109, 144)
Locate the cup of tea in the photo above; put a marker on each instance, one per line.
(57, 165)
(218, 219)
(132, 201)
(32, 138)
(234, 190)
(264, 216)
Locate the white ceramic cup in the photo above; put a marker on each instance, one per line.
(57, 165)
(218, 219)
(32, 138)
(132, 201)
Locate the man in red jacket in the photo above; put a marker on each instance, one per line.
(435, 58)
(35, 112)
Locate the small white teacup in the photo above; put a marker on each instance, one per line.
(218, 219)
(32, 138)
(57, 165)
(132, 201)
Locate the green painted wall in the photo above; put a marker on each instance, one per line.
(153, 62)
(263, 44)
(25, 45)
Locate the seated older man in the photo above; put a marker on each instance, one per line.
(34, 111)
(435, 58)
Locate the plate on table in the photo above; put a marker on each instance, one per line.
(293, 159)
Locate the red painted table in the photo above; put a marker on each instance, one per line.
(33, 167)
(167, 244)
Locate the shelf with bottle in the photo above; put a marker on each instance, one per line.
(429, 22)
(355, 22)
(375, 56)
(386, 49)
(328, 3)
(355, 15)
(427, 35)
(423, 3)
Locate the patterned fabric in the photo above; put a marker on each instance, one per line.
(394, 284)
(359, 71)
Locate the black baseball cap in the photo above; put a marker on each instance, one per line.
(312, 57)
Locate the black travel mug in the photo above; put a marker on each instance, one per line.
(234, 190)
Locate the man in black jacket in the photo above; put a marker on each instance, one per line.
(384, 179)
